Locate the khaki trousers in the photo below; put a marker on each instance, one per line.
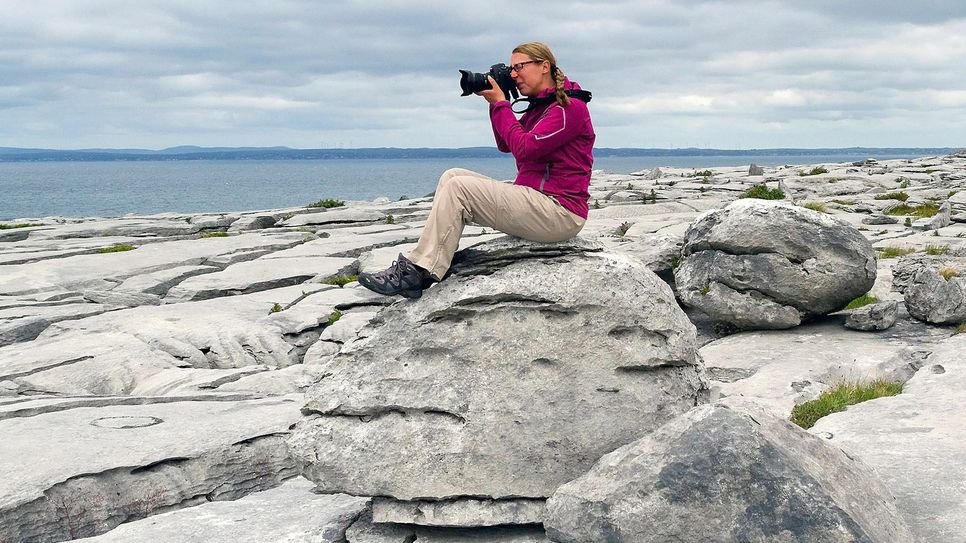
(463, 196)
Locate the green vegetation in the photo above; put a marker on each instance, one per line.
(762, 192)
(703, 173)
(893, 252)
(815, 206)
(960, 328)
(341, 280)
(275, 309)
(904, 184)
(951, 193)
(936, 250)
(333, 317)
(327, 203)
(116, 249)
(840, 397)
(921, 210)
(390, 219)
(901, 196)
(814, 171)
(707, 289)
(865, 299)
(19, 225)
(948, 273)
(907, 222)
(215, 234)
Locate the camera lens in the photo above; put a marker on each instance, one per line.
(471, 82)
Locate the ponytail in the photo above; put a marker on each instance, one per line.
(558, 82)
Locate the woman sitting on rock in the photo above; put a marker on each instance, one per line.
(553, 146)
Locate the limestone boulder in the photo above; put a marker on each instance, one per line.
(505, 380)
(878, 316)
(730, 474)
(761, 264)
(936, 292)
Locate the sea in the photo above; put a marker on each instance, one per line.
(34, 190)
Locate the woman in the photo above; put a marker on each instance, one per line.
(553, 146)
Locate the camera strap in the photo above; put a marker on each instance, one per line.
(579, 94)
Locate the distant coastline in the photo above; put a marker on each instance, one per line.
(13, 154)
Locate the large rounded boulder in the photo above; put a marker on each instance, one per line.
(509, 378)
(759, 264)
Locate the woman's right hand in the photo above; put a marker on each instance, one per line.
(493, 94)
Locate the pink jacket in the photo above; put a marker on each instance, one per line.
(553, 147)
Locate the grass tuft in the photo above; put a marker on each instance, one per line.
(921, 210)
(948, 273)
(333, 317)
(936, 250)
(215, 234)
(894, 252)
(865, 299)
(327, 203)
(840, 397)
(815, 206)
(814, 171)
(960, 328)
(340, 280)
(116, 249)
(19, 225)
(390, 219)
(275, 309)
(762, 192)
(901, 196)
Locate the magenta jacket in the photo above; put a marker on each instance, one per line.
(553, 146)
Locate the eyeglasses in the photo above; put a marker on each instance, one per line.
(516, 67)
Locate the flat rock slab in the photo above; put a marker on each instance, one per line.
(84, 269)
(459, 513)
(781, 368)
(82, 471)
(336, 217)
(915, 443)
(366, 531)
(255, 275)
(291, 513)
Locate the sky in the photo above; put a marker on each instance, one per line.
(734, 74)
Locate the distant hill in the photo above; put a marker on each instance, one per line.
(191, 152)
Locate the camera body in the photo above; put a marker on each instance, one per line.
(472, 82)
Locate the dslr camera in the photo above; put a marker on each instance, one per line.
(472, 82)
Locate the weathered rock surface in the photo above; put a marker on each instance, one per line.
(365, 531)
(92, 468)
(914, 442)
(290, 513)
(766, 265)
(936, 292)
(877, 316)
(461, 512)
(725, 473)
(483, 387)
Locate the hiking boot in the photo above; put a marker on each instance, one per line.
(402, 277)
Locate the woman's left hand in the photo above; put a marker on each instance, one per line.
(494, 94)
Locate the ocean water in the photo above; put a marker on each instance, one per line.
(115, 188)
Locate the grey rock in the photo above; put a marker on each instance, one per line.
(914, 442)
(255, 275)
(252, 222)
(937, 221)
(763, 264)
(755, 169)
(659, 252)
(366, 531)
(160, 282)
(290, 513)
(724, 473)
(879, 219)
(120, 298)
(173, 455)
(409, 410)
(930, 297)
(877, 316)
(339, 216)
(459, 513)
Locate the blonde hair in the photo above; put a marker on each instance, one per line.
(541, 52)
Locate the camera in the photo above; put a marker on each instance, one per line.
(472, 82)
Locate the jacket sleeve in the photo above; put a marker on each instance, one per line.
(500, 142)
(557, 126)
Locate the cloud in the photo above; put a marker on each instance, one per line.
(98, 73)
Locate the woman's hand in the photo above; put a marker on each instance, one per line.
(494, 94)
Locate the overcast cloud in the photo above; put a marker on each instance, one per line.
(731, 74)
